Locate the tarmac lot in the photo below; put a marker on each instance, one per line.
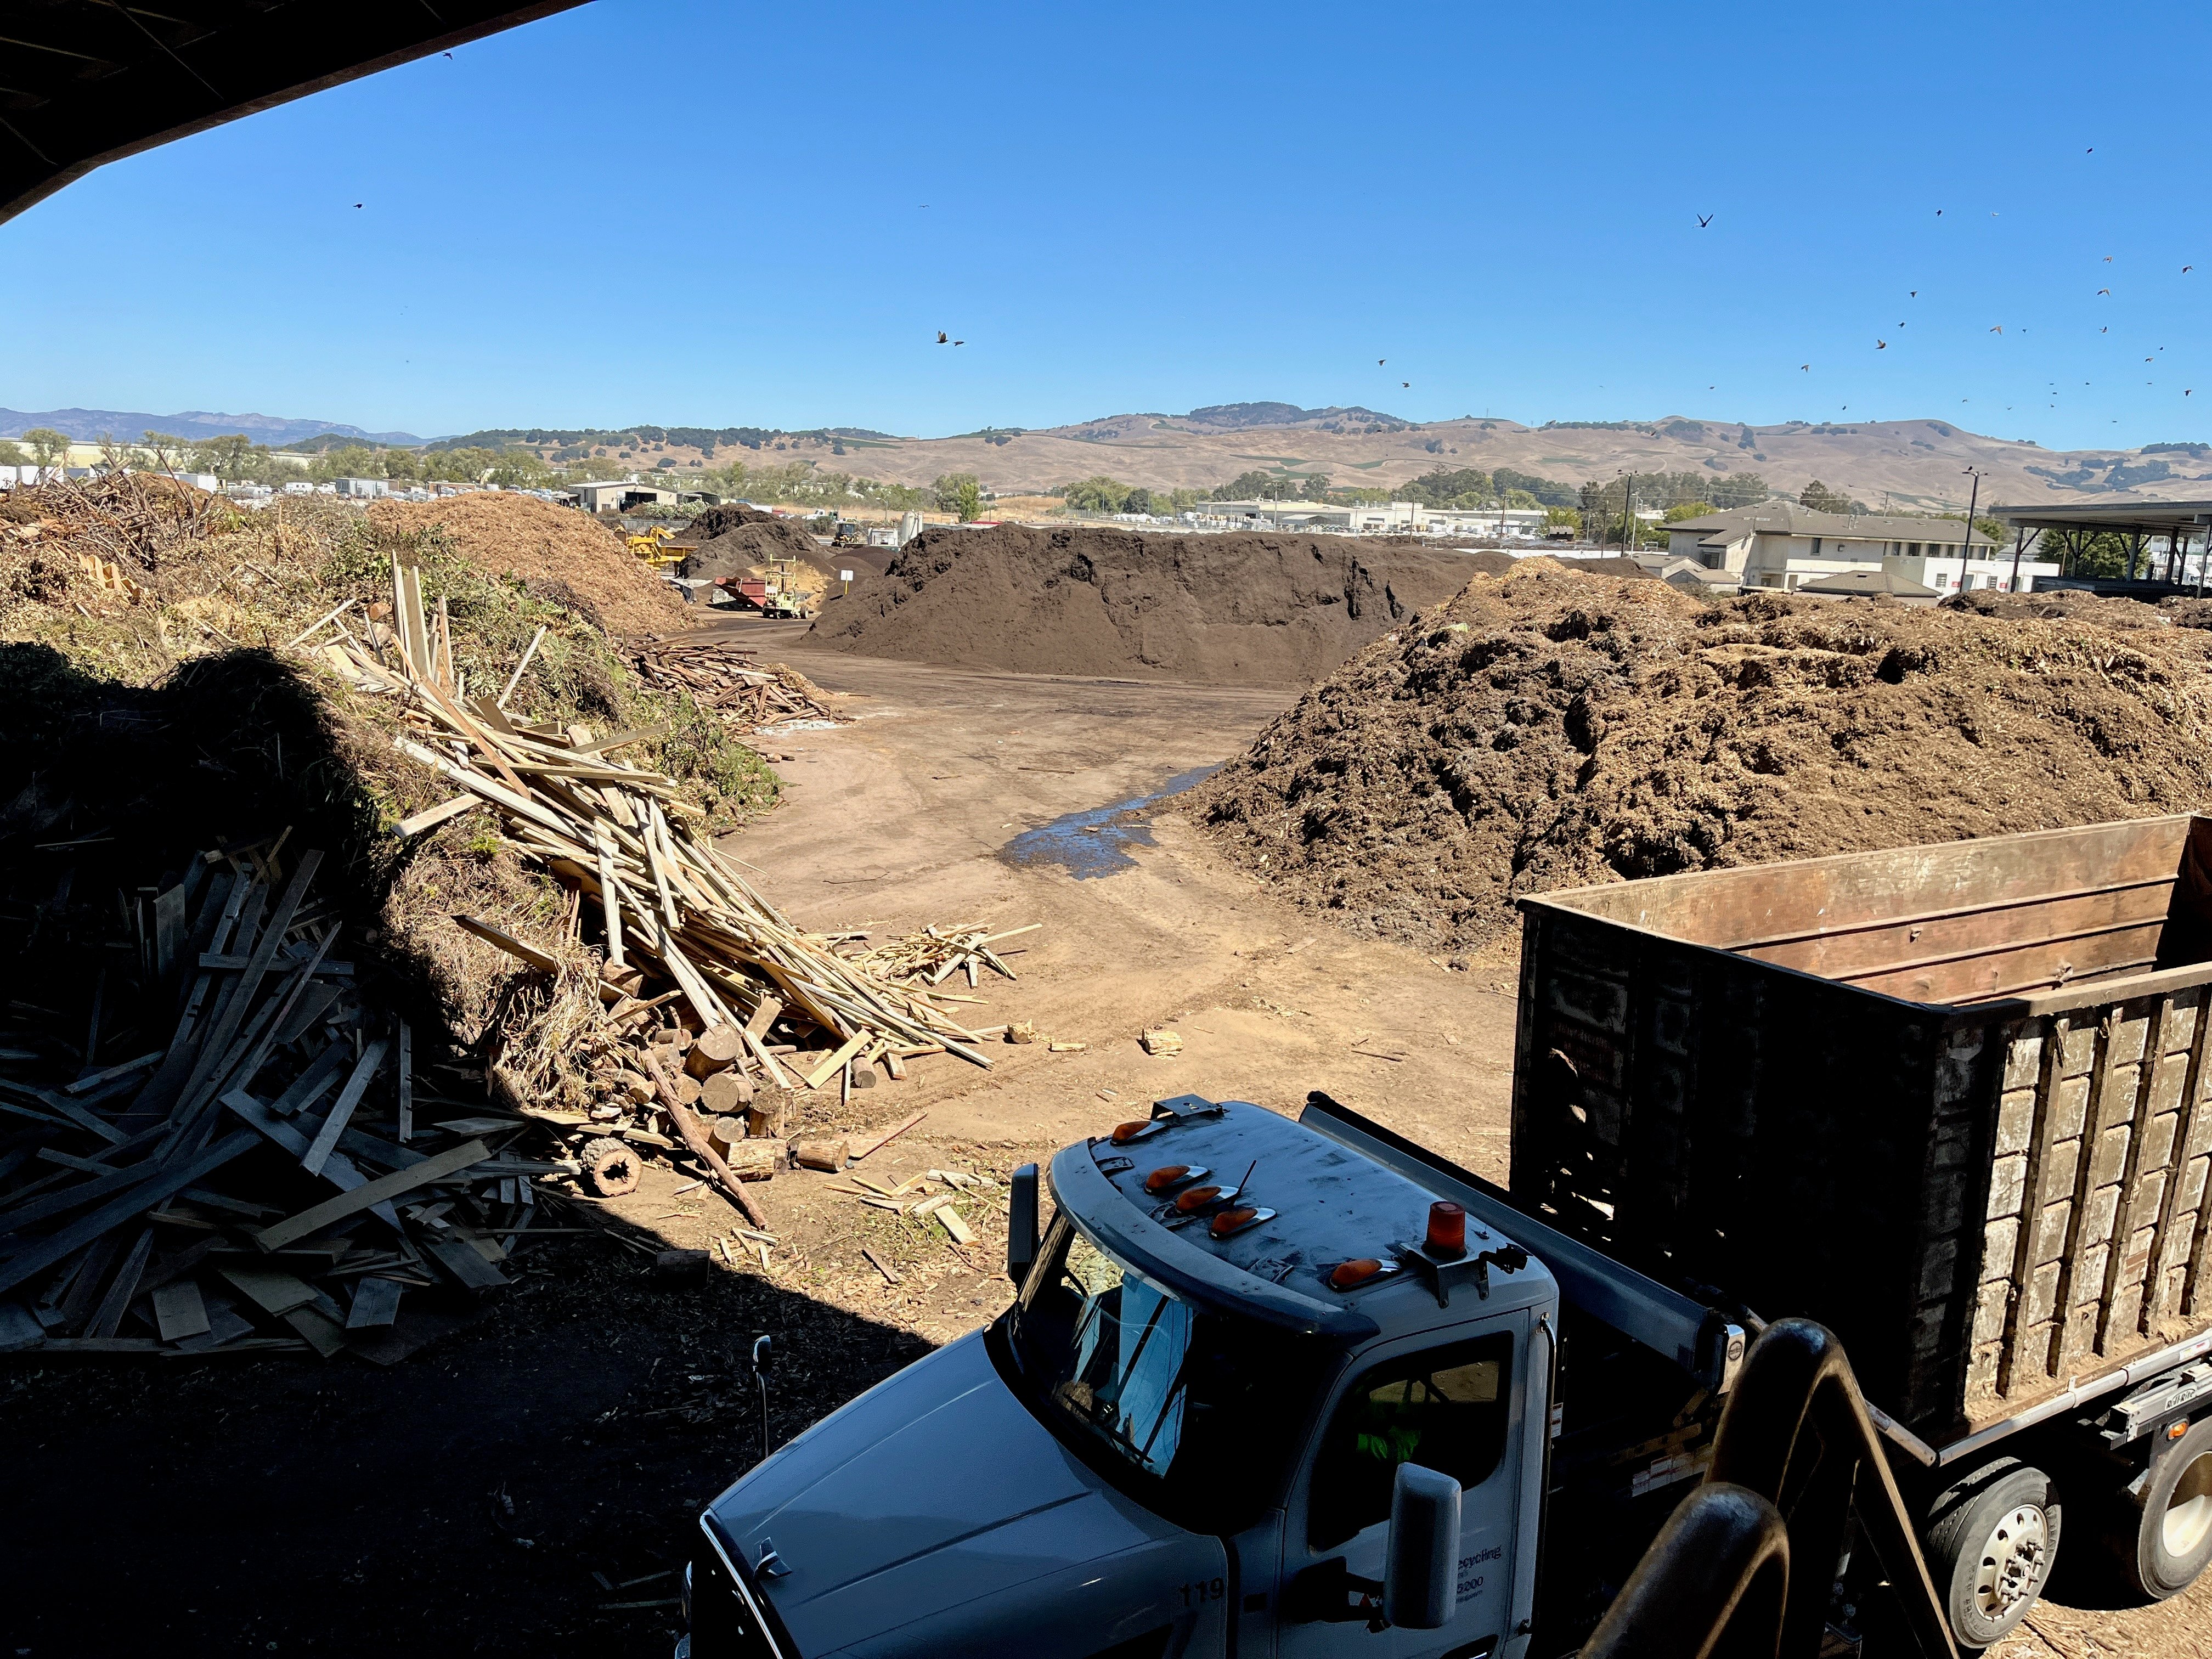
(526, 1485)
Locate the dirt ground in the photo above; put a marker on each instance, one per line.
(527, 1485)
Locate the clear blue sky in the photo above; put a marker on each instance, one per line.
(695, 214)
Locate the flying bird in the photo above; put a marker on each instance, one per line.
(1914, 294)
(1406, 383)
(1881, 345)
(1999, 329)
(1379, 361)
(2108, 258)
(960, 343)
(1704, 219)
(2104, 290)
(356, 205)
(1808, 367)
(940, 337)
(1939, 213)
(2101, 331)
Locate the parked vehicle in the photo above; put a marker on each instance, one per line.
(1304, 1388)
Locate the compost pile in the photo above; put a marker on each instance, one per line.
(1209, 609)
(556, 552)
(1551, 729)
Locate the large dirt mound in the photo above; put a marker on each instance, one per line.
(1214, 609)
(1549, 730)
(561, 554)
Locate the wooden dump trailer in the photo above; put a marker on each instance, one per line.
(1948, 1100)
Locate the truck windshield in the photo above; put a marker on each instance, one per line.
(1200, 1408)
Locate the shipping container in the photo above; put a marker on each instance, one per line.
(1948, 1100)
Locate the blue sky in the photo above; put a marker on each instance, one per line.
(680, 212)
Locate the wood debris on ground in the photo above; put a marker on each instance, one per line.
(723, 676)
(719, 1015)
(935, 954)
(270, 1175)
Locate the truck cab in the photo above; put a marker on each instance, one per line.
(1241, 1342)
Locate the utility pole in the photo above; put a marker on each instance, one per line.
(2019, 541)
(1627, 510)
(1966, 547)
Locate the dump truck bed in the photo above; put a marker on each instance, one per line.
(1947, 1099)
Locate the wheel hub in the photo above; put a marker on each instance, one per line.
(2013, 1557)
(2189, 1512)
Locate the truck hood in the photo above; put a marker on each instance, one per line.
(935, 1503)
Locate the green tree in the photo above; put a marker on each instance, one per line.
(1737, 490)
(11, 453)
(1098, 494)
(952, 491)
(1465, 486)
(1563, 518)
(1817, 497)
(49, 448)
(1682, 510)
(1548, 491)
(228, 458)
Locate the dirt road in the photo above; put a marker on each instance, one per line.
(525, 1486)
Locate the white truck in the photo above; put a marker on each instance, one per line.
(1302, 1388)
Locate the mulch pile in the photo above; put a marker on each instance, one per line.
(1551, 729)
(561, 554)
(1208, 609)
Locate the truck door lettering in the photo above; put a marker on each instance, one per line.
(1207, 1589)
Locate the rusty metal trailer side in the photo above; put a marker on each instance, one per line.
(1875, 1089)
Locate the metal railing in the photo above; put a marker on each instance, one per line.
(1795, 1456)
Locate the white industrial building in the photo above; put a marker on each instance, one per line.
(623, 496)
(1780, 544)
(1372, 518)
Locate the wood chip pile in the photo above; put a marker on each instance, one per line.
(723, 676)
(272, 1177)
(716, 1007)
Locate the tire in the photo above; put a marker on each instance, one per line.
(2163, 1534)
(1990, 1543)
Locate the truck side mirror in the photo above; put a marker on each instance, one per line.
(1022, 1223)
(1420, 1580)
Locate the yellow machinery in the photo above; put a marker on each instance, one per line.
(650, 545)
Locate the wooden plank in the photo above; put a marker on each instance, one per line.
(174, 1178)
(610, 901)
(123, 1289)
(338, 1209)
(308, 1086)
(98, 1080)
(215, 1050)
(466, 1264)
(763, 1016)
(829, 1068)
(406, 1061)
(375, 1304)
(338, 1170)
(341, 1110)
(508, 942)
(180, 1312)
(431, 816)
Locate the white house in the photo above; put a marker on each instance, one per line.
(1780, 544)
(1374, 518)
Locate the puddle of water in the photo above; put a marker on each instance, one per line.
(1093, 843)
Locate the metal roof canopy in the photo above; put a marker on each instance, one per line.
(87, 81)
(2129, 518)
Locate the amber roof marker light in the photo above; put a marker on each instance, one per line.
(1447, 1228)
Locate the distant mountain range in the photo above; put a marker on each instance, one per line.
(91, 425)
(1907, 465)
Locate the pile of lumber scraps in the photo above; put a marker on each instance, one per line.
(688, 946)
(935, 954)
(264, 1180)
(723, 676)
(928, 1196)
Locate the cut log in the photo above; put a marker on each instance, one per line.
(820, 1151)
(715, 1050)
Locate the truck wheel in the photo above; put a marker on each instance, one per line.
(1991, 1546)
(2170, 1507)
